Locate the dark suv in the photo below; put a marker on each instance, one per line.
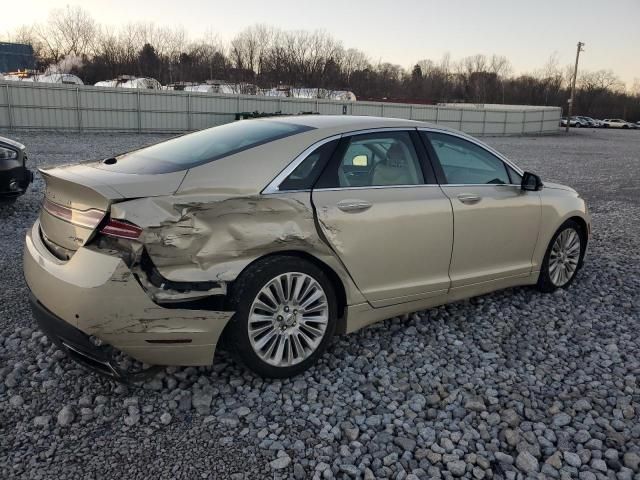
(15, 177)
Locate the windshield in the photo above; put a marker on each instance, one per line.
(205, 146)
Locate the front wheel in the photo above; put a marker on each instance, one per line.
(285, 315)
(563, 257)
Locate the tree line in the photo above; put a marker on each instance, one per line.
(73, 42)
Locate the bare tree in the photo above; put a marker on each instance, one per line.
(353, 60)
(67, 31)
(269, 57)
(593, 85)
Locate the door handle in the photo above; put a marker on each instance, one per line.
(353, 205)
(469, 198)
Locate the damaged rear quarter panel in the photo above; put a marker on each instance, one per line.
(214, 237)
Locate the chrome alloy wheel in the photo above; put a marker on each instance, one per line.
(288, 319)
(564, 257)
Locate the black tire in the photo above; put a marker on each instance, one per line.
(244, 291)
(8, 201)
(625, 127)
(545, 284)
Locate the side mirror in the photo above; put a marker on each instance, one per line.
(531, 182)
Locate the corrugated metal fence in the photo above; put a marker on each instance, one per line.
(25, 105)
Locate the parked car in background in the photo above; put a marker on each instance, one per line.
(590, 122)
(156, 252)
(15, 177)
(572, 123)
(580, 122)
(616, 123)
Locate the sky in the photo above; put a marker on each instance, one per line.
(401, 31)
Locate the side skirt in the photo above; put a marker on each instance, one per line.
(363, 314)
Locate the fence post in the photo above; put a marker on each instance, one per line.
(504, 130)
(542, 122)
(139, 113)
(317, 106)
(437, 114)
(524, 121)
(411, 112)
(78, 109)
(461, 115)
(382, 109)
(189, 111)
(484, 121)
(238, 104)
(9, 112)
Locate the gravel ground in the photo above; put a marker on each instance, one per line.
(507, 385)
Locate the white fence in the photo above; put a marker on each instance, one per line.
(83, 108)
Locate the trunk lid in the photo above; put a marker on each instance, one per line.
(78, 198)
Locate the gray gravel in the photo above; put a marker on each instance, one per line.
(509, 385)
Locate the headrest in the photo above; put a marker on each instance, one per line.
(396, 155)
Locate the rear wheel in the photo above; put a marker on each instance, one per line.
(285, 315)
(563, 257)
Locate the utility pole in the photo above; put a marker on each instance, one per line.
(573, 85)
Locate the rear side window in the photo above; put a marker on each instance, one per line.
(375, 159)
(305, 175)
(202, 147)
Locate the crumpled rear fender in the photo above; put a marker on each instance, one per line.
(193, 238)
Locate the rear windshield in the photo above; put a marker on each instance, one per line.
(201, 147)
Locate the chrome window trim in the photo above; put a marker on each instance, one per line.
(470, 139)
(375, 187)
(274, 185)
(480, 185)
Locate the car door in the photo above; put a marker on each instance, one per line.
(379, 207)
(496, 223)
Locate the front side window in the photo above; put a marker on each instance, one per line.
(201, 147)
(375, 159)
(465, 163)
(516, 178)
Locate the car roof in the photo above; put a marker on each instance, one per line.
(249, 173)
(350, 122)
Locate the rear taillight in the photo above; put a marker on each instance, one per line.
(90, 218)
(119, 229)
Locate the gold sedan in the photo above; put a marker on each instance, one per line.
(279, 233)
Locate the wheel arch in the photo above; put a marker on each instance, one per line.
(555, 213)
(584, 231)
(583, 225)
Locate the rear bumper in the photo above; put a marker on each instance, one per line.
(74, 342)
(95, 294)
